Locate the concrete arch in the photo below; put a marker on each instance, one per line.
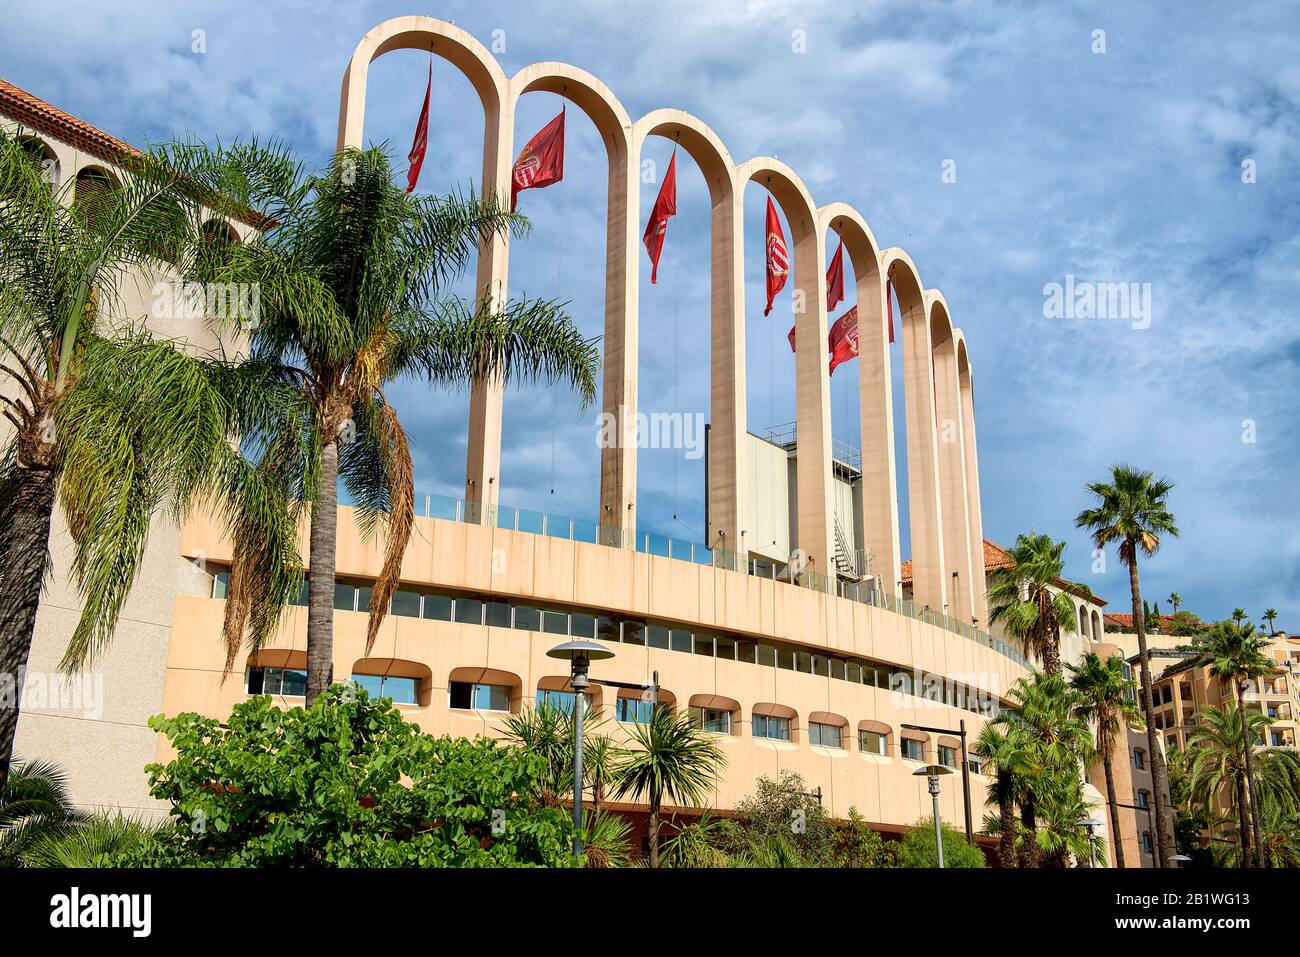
(965, 379)
(619, 380)
(728, 486)
(812, 380)
(483, 455)
(954, 518)
(929, 581)
(879, 531)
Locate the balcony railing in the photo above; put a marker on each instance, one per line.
(648, 543)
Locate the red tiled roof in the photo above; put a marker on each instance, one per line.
(1126, 621)
(995, 556)
(35, 113)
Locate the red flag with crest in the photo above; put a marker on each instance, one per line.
(778, 258)
(835, 278)
(665, 206)
(420, 144)
(844, 339)
(542, 161)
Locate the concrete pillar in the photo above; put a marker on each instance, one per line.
(979, 590)
(952, 466)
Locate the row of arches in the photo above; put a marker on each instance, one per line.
(945, 524)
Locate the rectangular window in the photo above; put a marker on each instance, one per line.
(785, 658)
(496, 614)
(301, 597)
(582, 626)
(633, 633)
(437, 607)
(680, 640)
(405, 603)
(345, 597)
(527, 619)
(803, 662)
(715, 720)
(607, 629)
(633, 710)
(1146, 842)
(285, 681)
(1139, 759)
(560, 700)
(976, 764)
(1142, 799)
(871, 742)
(826, 735)
(837, 668)
(767, 726)
(725, 647)
(704, 645)
(401, 690)
(555, 622)
(465, 696)
(766, 655)
(947, 756)
(747, 652)
(363, 597)
(221, 584)
(853, 673)
(656, 636)
(912, 749)
(469, 611)
(821, 666)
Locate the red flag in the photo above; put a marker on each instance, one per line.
(657, 228)
(835, 278)
(889, 303)
(542, 161)
(844, 338)
(778, 259)
(421, 142)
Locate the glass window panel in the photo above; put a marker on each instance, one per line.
(821, 666)
(301, 597)
(530, 521)
(704, 645)
(715, 720)
(657, 636)
(256, 681)
(680, 640)
(837, 668)
(607, 629)
(527, 619)
(785, 658)
(363, 597)
(871, 742)
(803, 662)
(766, 655)
(912, 749)
(460, 694)
(633, 633)
(582, 625)
(373, 684)
(747, 652)
(401, 689)
(491, 698)
(947, 756)
(725, 647)
(766, 726)
(555, 622)
(405, 603)
(345, 596)
(496, 614)
(437, 607)
(633, 710)
(469, 611)
(221, 584)
(853, 672)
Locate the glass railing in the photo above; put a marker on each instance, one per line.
(664, 546)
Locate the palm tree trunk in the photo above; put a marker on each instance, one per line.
(654, 826)
(1243, 822)
(1052, 653)
(321, 574)
(1030, 853)
(1248, 745)
(1007, 839)
(1115, 837)
(21, 577)
(1159, 776)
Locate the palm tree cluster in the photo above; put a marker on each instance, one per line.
(114, 424)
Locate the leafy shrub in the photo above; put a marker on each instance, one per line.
(917, 848)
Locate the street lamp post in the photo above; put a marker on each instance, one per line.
(965, 769)
(579, 654)
(931, 773)
(1091, 823)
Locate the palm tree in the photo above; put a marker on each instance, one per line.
(600, 760)
(1217, 765)
(1238, 615)
(1176, 600)
(1031, 599)
(97, 841)
(34, 806)
(1105, 697)
(1270, 616)
(354, 273)
(1043, 708)
(113, 423)
(672, 759)
(1281, 832)
(1132, 512)
(1062, 806)
(1008, 758)
(1236, 655)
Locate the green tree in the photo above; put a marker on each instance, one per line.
(347, 783)
(1009, 759)
(34, 806)
(114, 424)
(99, 840)
(918, 848)
(1270, 616)
(1236, 655)
(354, 275)
(1032, 600)
(1217, 763)
(670, 759)
(781, 809)
(607, 842)
(1175, 600)
(1132, 512)
(1106, 698)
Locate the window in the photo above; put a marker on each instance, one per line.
(1139, 758)
(555, 623)
(715, 719)
(465, 696)
(656, 636)
(607, 629)
(633, 710)
(1143, 798)
(301, 597)
(768, 726)
(947, 756)
(401, 690)
(633, 633)
(221, 584)
(496, 614)
(976, 764)
(405, 603)
(286, 681)
(528, 619)
(345, 596)
(561, 700)
(582, 626)
(704, 645)
(827, 735)
(871, 742)
(912, 749)
(437, 607)
(725, 647)
(680, 640)
(1146, 842)
(469, 611)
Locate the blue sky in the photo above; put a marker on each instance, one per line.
(1122, 166)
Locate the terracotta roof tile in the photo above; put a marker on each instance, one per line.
(16, 103)
(995, 556)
